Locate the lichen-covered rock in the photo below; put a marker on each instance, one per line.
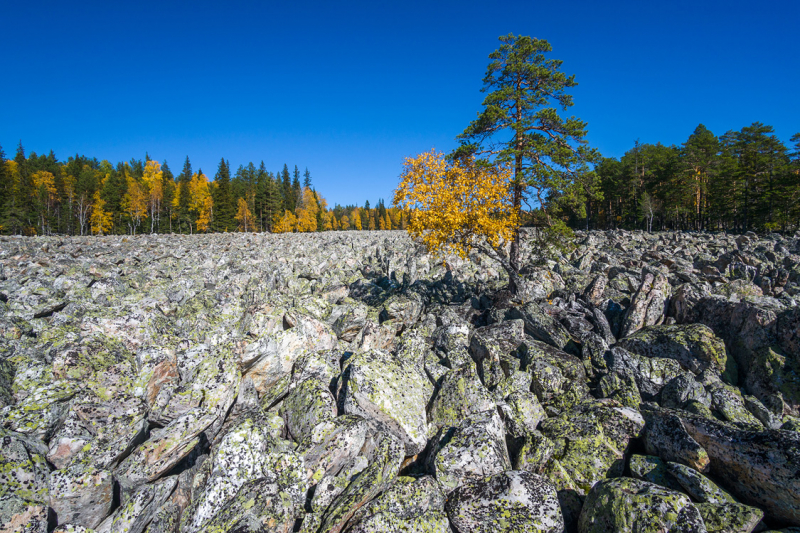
(81, 496)
(22, 516)
(99, 433)
(650, 374)
(557, 378)
(307, 405)
(534, 453)
(508, 501)
(23, 469)
(521, 413)
(407, 505)
(380, 386)
(134, 515)
(696, 485)
(271, 357)
(694, 346)
(683, 389)
(652, 469)
(218, 378)
(591, 442)
(758, 467)
(626, 505)
(383, 453)
(540, 325)
(453, 341)
(729, 405)
(619, 387)
(648, 304)
(460, 395)
(247, 453)
(472, 449)
(666, 437)
(42, 410)
(729, 517)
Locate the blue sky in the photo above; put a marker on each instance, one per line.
(348, 89)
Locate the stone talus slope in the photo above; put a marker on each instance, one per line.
(350, 382)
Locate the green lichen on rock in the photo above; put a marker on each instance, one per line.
(625, 505)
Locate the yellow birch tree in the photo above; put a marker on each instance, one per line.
(459, 207)
(243, 216)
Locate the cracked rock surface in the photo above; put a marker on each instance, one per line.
(351, 382)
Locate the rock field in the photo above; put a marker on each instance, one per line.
(350, 382)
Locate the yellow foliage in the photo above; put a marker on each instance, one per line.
(101, 220)
(344, 223)
(200, 201)
(46, 180)
(327, 219)
(153, 179)
(134, 203)
(243, 216)
(285, 223)
(356, 218)
(307, 212)
(455, 207)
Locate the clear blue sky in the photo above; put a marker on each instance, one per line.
(348, 89)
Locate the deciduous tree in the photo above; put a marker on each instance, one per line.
(460, 206)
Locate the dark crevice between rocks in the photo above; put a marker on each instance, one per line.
(50, 311)
(203, 448)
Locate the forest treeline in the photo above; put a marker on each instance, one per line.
(740, 181)
(40, 195)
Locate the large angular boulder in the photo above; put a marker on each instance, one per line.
(626, 505)
(694, 346)
(81, 496)
(381, 386)
(758, 467)
(648, 304)
(407, 505)
(473, 449)
(508, 501)
(649, 374)
(541, 325)
(248, 458)
(460, 395)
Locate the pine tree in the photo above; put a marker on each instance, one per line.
(289, 199)
(297, 191)
(224, 210)
(520, 124)
(183, 215)
(5, 186)
(306, 179)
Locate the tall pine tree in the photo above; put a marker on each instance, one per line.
(223, 202)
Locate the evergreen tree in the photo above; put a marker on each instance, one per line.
(183, 215)
(168, 184)
(289, 199)
(297, 191)
(5, 185)
(306, 179)
(520, 124)
(224, 209)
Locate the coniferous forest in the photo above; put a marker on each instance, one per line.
(40, 195)
(746, 180)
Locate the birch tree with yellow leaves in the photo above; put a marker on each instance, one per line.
(201, 202)
(46, 197)
(460, 206)
(153, 181)
(243, 216)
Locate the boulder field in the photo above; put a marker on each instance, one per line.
(352, 382)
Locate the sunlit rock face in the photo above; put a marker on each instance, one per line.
(351, 382)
